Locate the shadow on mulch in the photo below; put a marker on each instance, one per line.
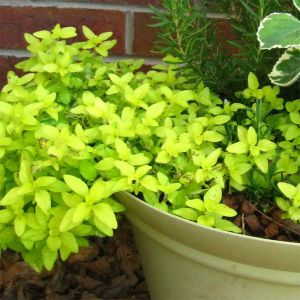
(108, 269)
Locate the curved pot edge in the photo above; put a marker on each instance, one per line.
(123, 195)
(217, 263)
(229, 262)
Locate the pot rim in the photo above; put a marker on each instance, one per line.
(197, 225)
(231, 253)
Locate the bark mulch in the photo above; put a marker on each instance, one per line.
(108, 269)
(259, 223)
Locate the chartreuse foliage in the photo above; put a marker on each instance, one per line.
(74, 130)
(291, 207)
(282, 30)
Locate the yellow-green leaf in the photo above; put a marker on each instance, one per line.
(43, 200)
(82, 211)
(155, 110)
(253, 83)
(76, 185)
(238, 148)
(19, 224)
(53, 243)
(150, 183)
(49, 258)
(251, 136)
(186, 213)
(105, 214)
(287, 189)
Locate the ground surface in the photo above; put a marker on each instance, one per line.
(268, 224)
(108, 269)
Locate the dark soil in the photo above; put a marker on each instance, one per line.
(108, 269)
(264, 224)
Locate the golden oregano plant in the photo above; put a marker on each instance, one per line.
(75, 129)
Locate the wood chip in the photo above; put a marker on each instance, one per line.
(272, 230)
(253, 223)
(108, 269)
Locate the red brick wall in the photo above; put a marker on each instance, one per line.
(128, 19)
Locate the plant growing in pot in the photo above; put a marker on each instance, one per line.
(76, 130)
(219, 51)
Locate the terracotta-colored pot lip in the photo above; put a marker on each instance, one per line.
(214, 231)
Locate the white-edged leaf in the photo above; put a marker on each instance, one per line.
(279, 30)
(297, 4)
(287, 69)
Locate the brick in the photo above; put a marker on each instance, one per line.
(7, 63)
(224, 29)
(144, 36)
(15, 21)
(224, 33)
(136, 2)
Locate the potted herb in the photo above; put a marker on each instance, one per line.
(77, 130)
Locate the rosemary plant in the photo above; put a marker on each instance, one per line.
(188, 33)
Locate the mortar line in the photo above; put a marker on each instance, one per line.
(65, 4)
(129, 32)
(14, 52)
(22, 53)
(88, 5)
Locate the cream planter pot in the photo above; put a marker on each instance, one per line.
(187, 261)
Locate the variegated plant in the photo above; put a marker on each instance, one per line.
(282, 30)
